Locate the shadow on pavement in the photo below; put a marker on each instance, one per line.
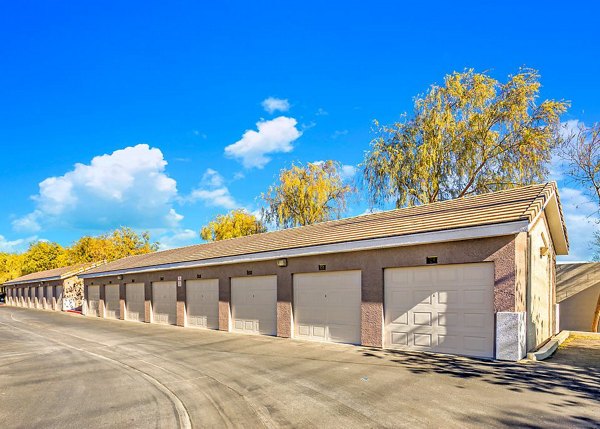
(548, 377)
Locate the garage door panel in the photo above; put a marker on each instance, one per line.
(59, 297)
(254, 304)
(112, 300)
(135, 302)
(164, 302)
(40, 297)
(93, 299)
(449, 309)
(203, 303)
(327, 306)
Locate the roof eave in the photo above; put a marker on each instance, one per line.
(43, 279)
(556, 225)
(456, 234)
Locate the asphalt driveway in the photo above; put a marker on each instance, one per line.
(60, 370)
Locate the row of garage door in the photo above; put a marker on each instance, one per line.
(446, 309)
(39, 297)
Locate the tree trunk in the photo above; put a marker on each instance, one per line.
(596, 316)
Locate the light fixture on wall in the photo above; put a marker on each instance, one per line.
(282, 262)
(119, 277)
(248, 272)
(198, 276)
(322, 267)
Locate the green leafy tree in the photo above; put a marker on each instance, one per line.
(473, 134)
(237, 223)
(307, 194)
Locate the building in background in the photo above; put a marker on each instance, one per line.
(578, 295)
(57, 289)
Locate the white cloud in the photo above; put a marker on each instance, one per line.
(348, 171)
(274, 136)
(273, 104)
(127, 187)
(578, 210)
(27, 223)
(213, 192)
(17, 245)
(178, 238)
(339, 133)
(321, 112)
(371, 210)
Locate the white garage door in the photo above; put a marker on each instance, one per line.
(445, 309)
(40, 297)
(327, 306)
(134, 302)
(93, 299)
(164, 302)
(202, 298)
(112, 302)
(59, 298)
(254, 304)
(49, 297)
(20, 296)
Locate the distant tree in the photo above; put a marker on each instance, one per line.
(471, 135)
(11, 265)
(237, 223)
(41, 256)
(307, 194)
(117, 244)
(581, 151)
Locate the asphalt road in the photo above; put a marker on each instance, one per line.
(61, 370)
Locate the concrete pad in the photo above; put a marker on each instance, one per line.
(67, 371)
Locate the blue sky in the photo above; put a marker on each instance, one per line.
(157, 114)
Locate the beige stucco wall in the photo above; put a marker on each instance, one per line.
(500, 250)
(73, 289)
(577, 311)
(540, 314)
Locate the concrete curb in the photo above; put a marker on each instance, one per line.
(550, 347)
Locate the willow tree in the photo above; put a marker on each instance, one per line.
(236, 223)
(473, 134)
(307, 194)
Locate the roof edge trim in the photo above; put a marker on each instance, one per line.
(457, 234)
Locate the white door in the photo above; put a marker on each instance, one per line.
(49, 297)
(21, 297)
(202, 302)
(134, 302)
(93, 299)
(445, 309)
(327, 306)
(164, 302)
(40, 297)
(112, 301)
(254, 304)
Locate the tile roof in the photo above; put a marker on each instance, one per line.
(574, 278)
(518, 204)
(54, 274)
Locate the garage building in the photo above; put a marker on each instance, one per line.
(57, 289)
(473, 276)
